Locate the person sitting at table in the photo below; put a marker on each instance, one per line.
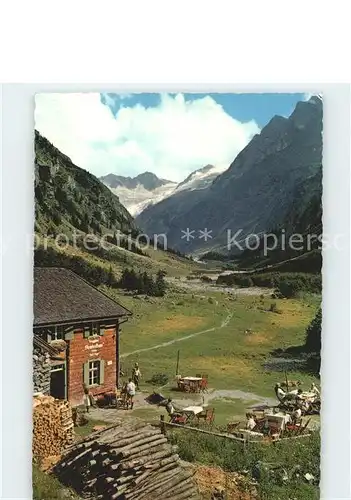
(279, 393)
(250, 422)
(171, 410)
(299, 398)
(315, 389)
(296, 416)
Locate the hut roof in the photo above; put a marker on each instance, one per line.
(61, 296)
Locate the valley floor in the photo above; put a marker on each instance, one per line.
(229, 336)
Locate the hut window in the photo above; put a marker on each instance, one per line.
(94, 372)
(55, 333)
(94, 329)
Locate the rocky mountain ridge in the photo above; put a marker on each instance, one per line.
(255, 194)
(147, 189)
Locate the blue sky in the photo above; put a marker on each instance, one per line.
(170, 135)
(243, 107)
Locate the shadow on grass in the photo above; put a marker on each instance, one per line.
(294, 359)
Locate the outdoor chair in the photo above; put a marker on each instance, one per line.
(204, 385)
(110, 399)
(274, 430)
(207, 416)
(293, 428)
(304, 427)
(232, 426)
(122, 401)
(210, 416)
(179, 419)
(181, 385)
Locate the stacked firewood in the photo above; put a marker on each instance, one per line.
(52, 426)
(129, 462)
(41, 371)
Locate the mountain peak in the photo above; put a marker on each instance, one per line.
(146, 175)
(147, 180)
(200, 178)
(307, 111)
(150, 181)
(206, 168)
(256, 193)
(316, 99)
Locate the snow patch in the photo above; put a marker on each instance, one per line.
(136, 200)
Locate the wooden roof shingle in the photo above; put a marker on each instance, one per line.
(61, 296)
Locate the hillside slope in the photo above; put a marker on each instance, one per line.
(68, 197)
(305, 219)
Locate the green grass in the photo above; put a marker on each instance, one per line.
(229, 410)
(149, 414)
(47, 487)
(87, 429)
(231, 456)
(231, 358)
(162, 319)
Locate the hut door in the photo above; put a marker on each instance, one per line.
(58, 381)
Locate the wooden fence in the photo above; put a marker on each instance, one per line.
(244, 441)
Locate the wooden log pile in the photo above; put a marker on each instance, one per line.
(133, 461)
(53, 428)
(41, 371)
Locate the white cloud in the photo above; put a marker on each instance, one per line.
(171, 139)
(125, 96)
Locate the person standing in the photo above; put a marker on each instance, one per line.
(136, 375)
(86, 399)
(131, 392)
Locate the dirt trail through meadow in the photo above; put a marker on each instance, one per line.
(180, 339)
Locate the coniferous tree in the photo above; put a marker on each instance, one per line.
(314, 333)
(151, 285)
(160, 285)
(110, 277)
(125, 281)
(141, 284)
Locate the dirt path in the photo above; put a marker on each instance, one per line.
(198, 285)
(111, 415)
(237, 394)
(180, 339)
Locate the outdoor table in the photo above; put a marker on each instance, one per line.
(308, 395)
(193, 409)
(192, 382)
